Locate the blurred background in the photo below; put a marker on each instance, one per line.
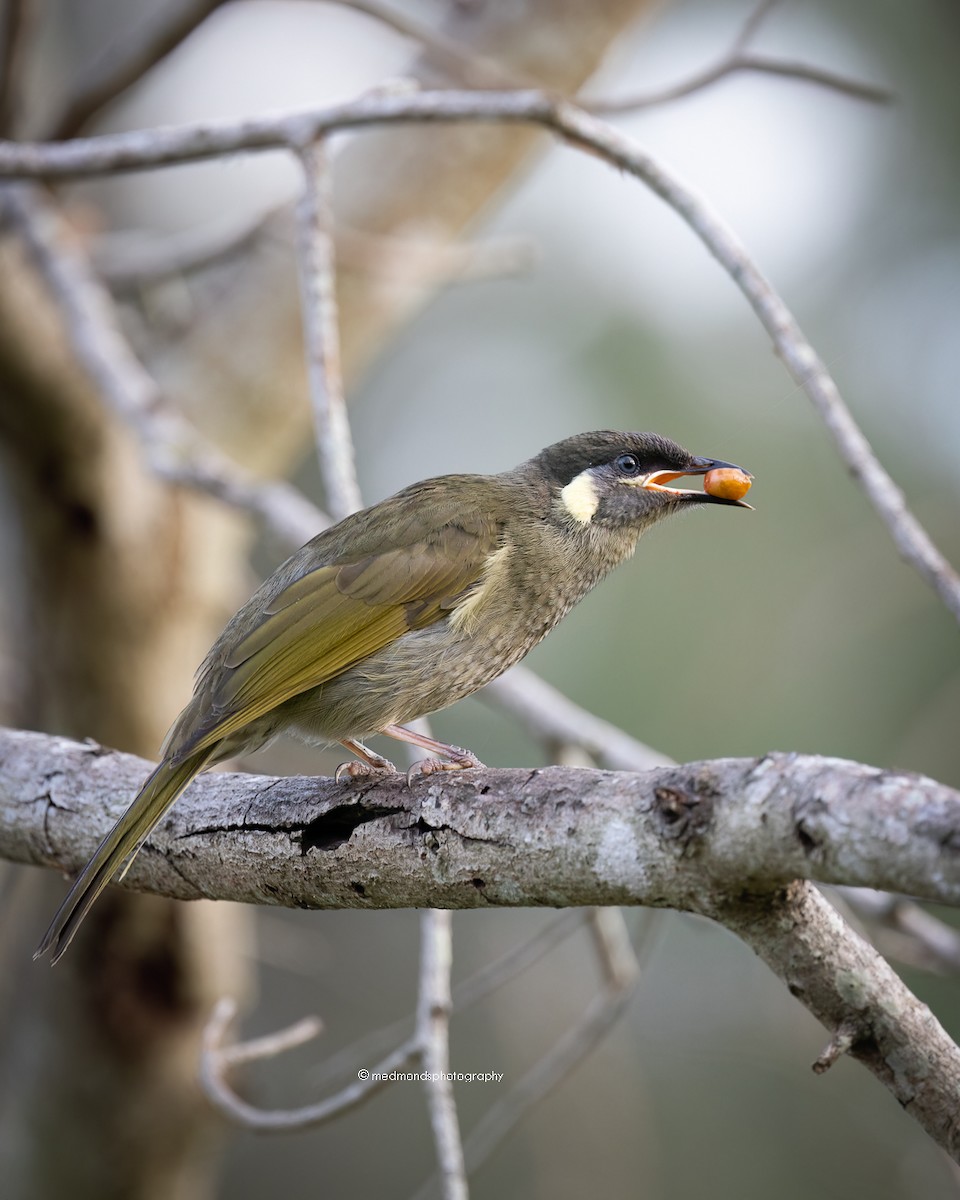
(590, 305)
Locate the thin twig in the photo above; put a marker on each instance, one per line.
(742, 63)
(273, 1044)
(754, 20)
(318, 289)
(433, 1037)
(547, 714)
(515, 961)
(580, 129)
(621, 972)
(19, 17)
(216, 1057)
(902, 929)
(476, 987)
(841, 1043)
(128, 261)
(739, 59)
(124, 61)
(600, 1014)
(801, 360)
(142, 149)
(611, 940)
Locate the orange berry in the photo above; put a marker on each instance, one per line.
(729, 483)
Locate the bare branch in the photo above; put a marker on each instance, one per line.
(433, 1037)
(801, 360)
(901, 929)
(473, 71)
(564, 1056)
(753, 822)
(123, 151)
(269, 1046)
(321, 334)
(216, 1057)
(143, 149)
(877, 1021)
(611, 940)
(128, 261)
(739, 59)
(19, 17)
(547, 714)
(515, 961)
(742, 63)
(752, 24)
(621, 975)
(124, 61)
(470, 991)
(728, 839)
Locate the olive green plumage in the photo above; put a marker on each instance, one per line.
(403, 609)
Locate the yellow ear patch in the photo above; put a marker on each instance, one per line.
(580, 497)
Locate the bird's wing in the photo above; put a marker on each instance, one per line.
(327, 620)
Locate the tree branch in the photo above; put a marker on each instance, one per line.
(433, 1037)
(873, 1016)
(738, 58)
(728, 839)
(557, 836)
(318, 289)
(299, 130)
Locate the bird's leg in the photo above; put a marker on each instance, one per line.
(366, 763)
(458, 758)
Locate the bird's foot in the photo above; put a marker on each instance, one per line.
(355, 769)
(366, 764)
(458, 760)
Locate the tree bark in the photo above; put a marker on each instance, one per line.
(731, 839)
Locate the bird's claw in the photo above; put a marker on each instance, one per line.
(355, 769)
(463, 760)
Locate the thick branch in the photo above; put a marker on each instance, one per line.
(874, 1016)
(675, 837)
(728, 839)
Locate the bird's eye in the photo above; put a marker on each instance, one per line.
(628, 464)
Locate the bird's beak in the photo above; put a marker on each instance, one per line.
(657, 481)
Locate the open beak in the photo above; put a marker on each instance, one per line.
(657, 481)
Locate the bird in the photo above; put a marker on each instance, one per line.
(403, 608)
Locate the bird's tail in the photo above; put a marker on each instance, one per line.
(121, 844)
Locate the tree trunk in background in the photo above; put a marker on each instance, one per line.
(121, 585)
(122, 582)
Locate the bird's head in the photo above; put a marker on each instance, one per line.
(616, 480)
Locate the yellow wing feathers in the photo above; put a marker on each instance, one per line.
(324, 622)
